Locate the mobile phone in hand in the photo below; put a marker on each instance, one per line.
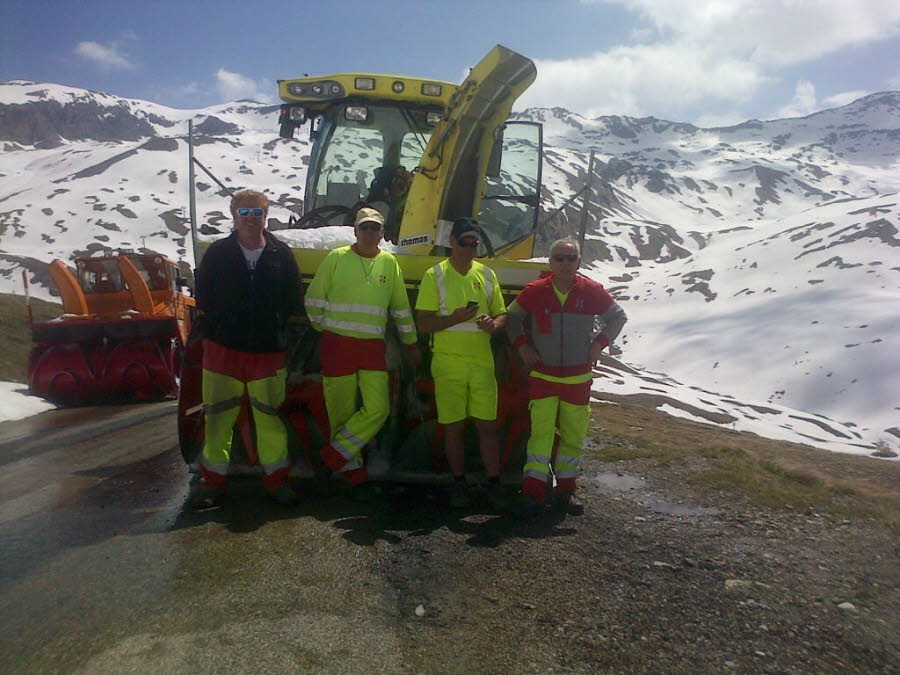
(471, 303)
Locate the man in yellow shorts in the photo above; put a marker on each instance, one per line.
(460, 302)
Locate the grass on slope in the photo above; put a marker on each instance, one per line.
(15, 335)
(767, 473)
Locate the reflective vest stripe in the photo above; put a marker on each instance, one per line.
(490, 280)
(441, 289)
(489, 288)
(354, 308)
(465, 327)
(377, 331)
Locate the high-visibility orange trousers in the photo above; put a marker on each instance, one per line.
(555, 405)
(227, 374)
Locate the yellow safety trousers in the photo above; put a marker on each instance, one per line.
(222, 395)
(573, 421)
(354, 425)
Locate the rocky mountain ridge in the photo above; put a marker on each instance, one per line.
(759, 259)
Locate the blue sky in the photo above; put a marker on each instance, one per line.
(701, 61)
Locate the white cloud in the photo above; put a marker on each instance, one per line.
(894, 82)
(771, 32)
(107, 57)
(234, 86)
(716, 52)
(657, 79)
(843, 98)
(803, 103)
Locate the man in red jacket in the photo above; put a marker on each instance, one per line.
(552, 324)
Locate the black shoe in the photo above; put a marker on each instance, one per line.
(459, 495)
(204, 497)
(568, 503)
(528, 506)
(285, 496)
(364, 493)
(497, 496)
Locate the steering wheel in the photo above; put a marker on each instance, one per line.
(320, 217)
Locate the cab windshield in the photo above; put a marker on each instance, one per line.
(369, 159)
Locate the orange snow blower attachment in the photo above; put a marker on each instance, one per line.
(122, 333)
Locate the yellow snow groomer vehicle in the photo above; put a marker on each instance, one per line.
(424, 153)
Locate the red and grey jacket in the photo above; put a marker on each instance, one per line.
(561, 334)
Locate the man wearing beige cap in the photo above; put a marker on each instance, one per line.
(355, 290)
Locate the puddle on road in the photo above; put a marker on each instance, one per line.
(619, 484)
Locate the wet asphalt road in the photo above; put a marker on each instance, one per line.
(103, 568)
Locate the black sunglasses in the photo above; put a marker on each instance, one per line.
(251, 212)
(571, 257)
(472, 243)
(370, 227)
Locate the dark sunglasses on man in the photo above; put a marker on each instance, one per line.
(469, 243)
(560, 257)
(370, 227)
(257, 212)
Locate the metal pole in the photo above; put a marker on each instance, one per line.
(191, 196)
(222, 185)
(587, 201)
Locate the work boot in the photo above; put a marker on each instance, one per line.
(496, 495)
(569, 503)
(528, 506)
(364, 493)
(459, 495)
(205, 497)
(284, 495)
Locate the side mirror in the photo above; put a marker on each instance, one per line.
(289, 118)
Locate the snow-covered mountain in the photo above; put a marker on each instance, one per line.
(757, 262)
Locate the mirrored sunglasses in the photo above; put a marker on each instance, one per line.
(251, 212)
(469, 243)
(571, 257)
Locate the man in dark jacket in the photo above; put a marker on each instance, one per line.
(248, 288)
(552, 323)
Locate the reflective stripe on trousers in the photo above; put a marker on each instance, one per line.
(573, 421)
(222, 401)
(353, 425)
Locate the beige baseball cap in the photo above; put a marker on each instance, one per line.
(367, 215)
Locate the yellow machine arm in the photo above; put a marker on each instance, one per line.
(448, 182)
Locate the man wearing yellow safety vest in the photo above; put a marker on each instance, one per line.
(460, 302)
(355, 290)
(248, 291)
(552, 323)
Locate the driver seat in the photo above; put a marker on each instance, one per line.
(345, 194)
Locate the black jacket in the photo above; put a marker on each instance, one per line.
(246, 314)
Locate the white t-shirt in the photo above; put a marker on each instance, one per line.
(251, 255)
